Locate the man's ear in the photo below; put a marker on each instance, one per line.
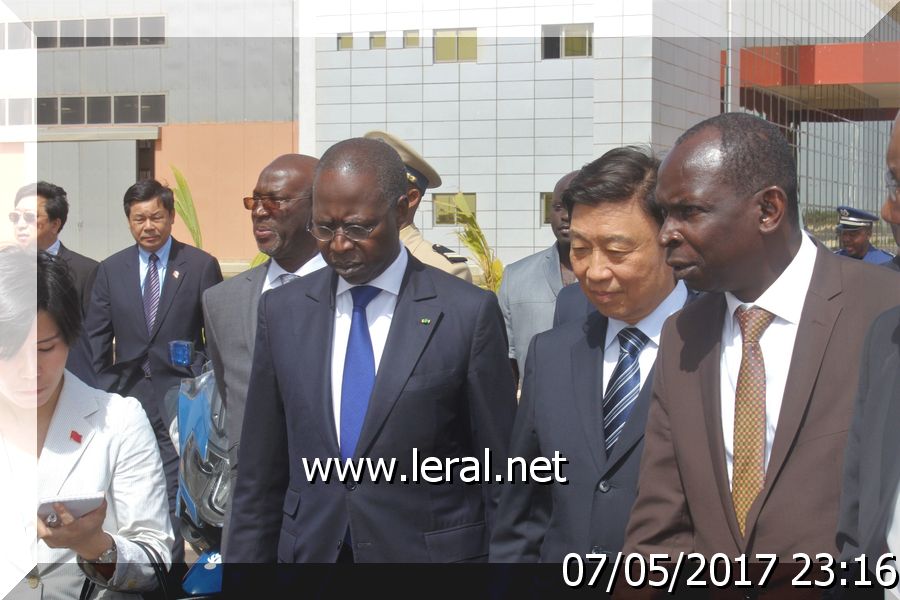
(56, 226)
(403, 211)
(773, 208)
(414, 197)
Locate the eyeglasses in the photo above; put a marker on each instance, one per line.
(30, 217)
(354, 233)
(269, 203)
(893, 186)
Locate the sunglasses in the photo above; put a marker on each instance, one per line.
(30, 217)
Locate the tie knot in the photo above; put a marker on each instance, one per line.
(753, 322)
(632, 340)
(287, 277)
(153, 258)
(363, 294)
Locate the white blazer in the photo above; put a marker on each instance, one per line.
(101, 442)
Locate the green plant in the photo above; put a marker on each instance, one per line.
(472, 237)
(259, 259)
(184, 206)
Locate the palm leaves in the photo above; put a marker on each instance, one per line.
(184, 206)
(472, 237)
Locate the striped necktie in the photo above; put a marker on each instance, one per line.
(624, 385)
(151, 300)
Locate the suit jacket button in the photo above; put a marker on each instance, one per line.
(603, 486)
(351, 485)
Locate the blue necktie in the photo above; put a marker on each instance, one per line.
(151, 301)
(359, 371)
(624, 385)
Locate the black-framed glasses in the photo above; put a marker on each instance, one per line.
(892, 185)
(15, 216)
(354, 233)
(268, 202)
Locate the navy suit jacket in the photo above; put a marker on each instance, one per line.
(571, 305)
(444, 386)
(560, 410)
(117, 311)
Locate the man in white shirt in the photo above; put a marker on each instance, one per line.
(376, 357)
(279, 211)
(755, 380)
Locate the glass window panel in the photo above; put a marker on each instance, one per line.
(153, 108)
(48, 111)
(125, 31)
(546, 207)
(445, 45)
(96, 32)
(153, 31)
(411, 38)
(71, 111)
(126, 109)
(99, 109)
(18, 36)
(345, 41)
(550, 47)
(377, 39)
(445, 210)
(45, 32)
(71, 33)
(467, 45)
(577, 40)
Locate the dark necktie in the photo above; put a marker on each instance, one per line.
(624, 385)
(286, 278)
(151, 300)
(749, 452)
(359, 371)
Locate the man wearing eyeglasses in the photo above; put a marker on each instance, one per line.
(377, 356)
(144, 297)
(279, 211)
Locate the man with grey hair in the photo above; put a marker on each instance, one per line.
(376, 357)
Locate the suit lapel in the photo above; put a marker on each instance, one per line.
(820, 312)
(414, 322)
(175, 274)
(587, 382)
(255, 279)
(551, 269)
(69, 435)
(133, 290)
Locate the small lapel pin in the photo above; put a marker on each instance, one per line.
(175, 274)
(76, 437)
(425, 321)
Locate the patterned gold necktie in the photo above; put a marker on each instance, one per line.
(749, 470)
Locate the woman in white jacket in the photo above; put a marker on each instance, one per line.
(89, 442)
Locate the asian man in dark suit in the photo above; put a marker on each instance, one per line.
(587, 382)
(372, 357)
(144, 297)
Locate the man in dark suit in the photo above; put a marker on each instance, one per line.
(372, 357)
(279, 210)
(587, 383)
(571, 305)
(144, 297)
(753, 389)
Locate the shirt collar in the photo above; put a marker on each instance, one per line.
(787, 294)
(162, 254)
(389, 280)
(652, 324)
(276, 270)
(54, 248)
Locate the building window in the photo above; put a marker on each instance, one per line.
(19, 36)
(445, 209)
(377, 39)
(125, 31)
(411, 38)
(71, 111)
(45, 34)
(20, 111)
(455, 45)
(126, 109)
(345, 41)
(71, 33)
(546, 207)
(96, 32)
(47, 111)
(153, 108)
(567, 41)
(99, 110)
(153, 31)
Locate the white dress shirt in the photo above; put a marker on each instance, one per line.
(144, 262)
(651, 326)
(275, 271)
(379, 314)
(785, 299)
(893, 543)
(53, 248)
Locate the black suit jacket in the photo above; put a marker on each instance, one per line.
(571, 305)
(443, 386)
(872, 460)
(117, 311)
(560, 409)
(84, 271)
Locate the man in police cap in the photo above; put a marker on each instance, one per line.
(854, 231)
(422, 176)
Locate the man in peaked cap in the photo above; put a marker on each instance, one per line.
(854, 230)
(422, 176)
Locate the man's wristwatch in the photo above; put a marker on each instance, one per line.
(108, 557)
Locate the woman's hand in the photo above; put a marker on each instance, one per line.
(85, 536)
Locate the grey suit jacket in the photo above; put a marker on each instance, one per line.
(528, 298)
(872, 461)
